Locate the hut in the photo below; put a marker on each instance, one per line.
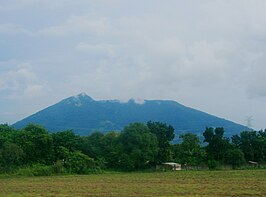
(253, 163)
(169, 166)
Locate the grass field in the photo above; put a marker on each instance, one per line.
(182, 183)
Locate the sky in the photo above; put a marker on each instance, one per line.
(207, 54)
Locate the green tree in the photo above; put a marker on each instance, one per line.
(176, 150)
(62, 153)
(110, 151)
(67, 139)
(217, 145)
(235, 157)
(138, 147)
(6, 134)
(103, 148)
(93, 146)
(262, 144)
(191, 153)
(36, 143)
(79, 163)
(165, 134)
(252, 144)
(11, 156)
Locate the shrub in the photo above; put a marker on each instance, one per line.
(212, 164)
(79, 163)
(58, 167)
(35, 170)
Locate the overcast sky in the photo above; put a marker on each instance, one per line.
(205, 54)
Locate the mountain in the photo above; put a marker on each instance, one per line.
(84, 115)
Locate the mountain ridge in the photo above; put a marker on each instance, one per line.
(83, 115)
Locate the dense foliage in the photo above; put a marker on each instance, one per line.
(34, 151)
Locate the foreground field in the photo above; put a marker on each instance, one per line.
(183, 183)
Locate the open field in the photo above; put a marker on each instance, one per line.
(182, 183)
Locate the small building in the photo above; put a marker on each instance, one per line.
(253, 163)
(169, 166)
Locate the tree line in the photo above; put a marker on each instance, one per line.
(35, 151)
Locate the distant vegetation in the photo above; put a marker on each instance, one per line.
(34, 151)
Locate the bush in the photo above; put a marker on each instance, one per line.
(79, 163)
(235, 157)
(24, 172)
(10, 157)
(35, 170)
(212, 164)
(58, 168)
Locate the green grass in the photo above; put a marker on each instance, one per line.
(182, 183)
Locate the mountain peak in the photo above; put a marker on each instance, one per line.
(79, 99)
(83, 96)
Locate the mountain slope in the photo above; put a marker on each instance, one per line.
(83, 115)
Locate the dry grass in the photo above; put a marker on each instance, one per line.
(183, 183)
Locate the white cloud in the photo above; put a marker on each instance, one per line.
(20, 82)
(255, 76)
(23, 4)
(196, 52)
(97, 49)
(13, 29)
(78, 25)
(33, 91)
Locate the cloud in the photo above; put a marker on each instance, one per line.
(22, 4)
(33, 91)
(97, 49)
(153, 49)
(196, 52)
(78, 25)
(13, 29)
(255, 76)
(20, 82)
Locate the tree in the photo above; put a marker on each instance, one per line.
(110, 151)
(191, 152)
(164, 134)
(11, 156)
(6, 134)
(67, 139)
(79, 163)
(235, 157)
(176, 151)
(93, 145)
(103, 148)
(247, 144)
(252, 144)
(36, 143)
(262, 144)
(138, 147)
(217, 144)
